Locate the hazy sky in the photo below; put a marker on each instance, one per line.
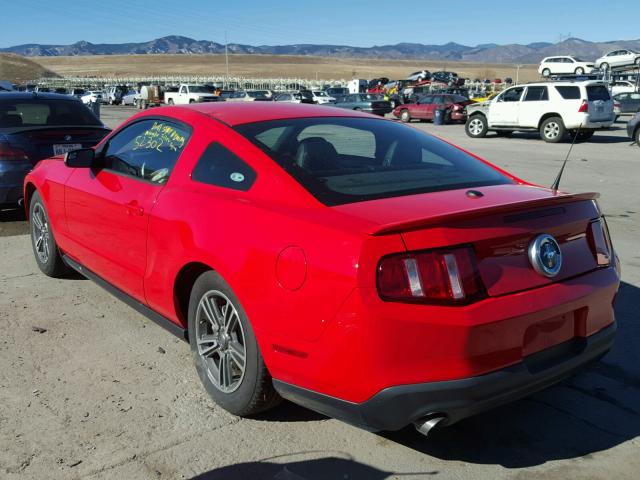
(347, 22)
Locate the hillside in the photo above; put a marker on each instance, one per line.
(491, 52)
(17, 69)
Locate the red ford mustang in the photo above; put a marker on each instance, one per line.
(352, 264)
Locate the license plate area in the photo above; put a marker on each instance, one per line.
(62, 148)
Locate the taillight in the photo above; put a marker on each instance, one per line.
(600, 242)
(8, 153)
(616, 105)
(437, 276)
(584, 108)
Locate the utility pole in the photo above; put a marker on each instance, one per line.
(226, 56)
(518, 74)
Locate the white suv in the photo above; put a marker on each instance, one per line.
(551, 108)
(564, 64)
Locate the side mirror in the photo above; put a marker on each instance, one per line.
(82, 158)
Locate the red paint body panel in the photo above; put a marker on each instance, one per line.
(311, 321)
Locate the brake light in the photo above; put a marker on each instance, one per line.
(437, 276)
(616, 105)
(600, 242)
(8, 153)
(584, 108)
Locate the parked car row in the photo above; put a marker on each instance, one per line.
(568, 64)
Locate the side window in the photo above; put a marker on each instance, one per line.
(426, 100)
(147, 150)
(183, 89)
(536, 94)
(512, 95)
(223, 168)
(569, 93)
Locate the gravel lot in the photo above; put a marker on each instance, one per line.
(91, 389)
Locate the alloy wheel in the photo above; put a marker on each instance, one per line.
(551, 130)
(221, 341)
(41, 233)
(476, 126)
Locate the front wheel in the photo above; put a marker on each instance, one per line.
(604, 66)
(225, 352)
(579, 71)
(405, 116)
(546, 72)
(45, 248)
(476, 126)
(170, 102)
(553, 130)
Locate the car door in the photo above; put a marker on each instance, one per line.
(108, 205)
(439, 101)
(535, 103)
(505, 109)
(421, 107)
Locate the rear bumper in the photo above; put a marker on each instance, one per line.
(395, 407)
(12, 176)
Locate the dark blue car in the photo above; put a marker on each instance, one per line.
(34, 126)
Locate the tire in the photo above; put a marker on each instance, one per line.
(637, 62)
(447, 117)
(546, 72)
(170, 102)
(192, 101)
(405, 116)
(579, 71)
(45, 248)
(553, 130)
(604, 66)
(241, 391)
(476, 126)
(636, 136)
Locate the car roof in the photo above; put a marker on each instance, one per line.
(34, 95)
(237, 113)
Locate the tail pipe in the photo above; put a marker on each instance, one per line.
(424, 425)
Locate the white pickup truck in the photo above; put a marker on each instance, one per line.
(190, 93)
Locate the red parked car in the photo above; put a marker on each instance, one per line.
(426, 105)
(352, 264)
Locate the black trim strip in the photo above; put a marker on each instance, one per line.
(152, 315)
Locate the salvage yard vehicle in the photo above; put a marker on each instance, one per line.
(364, 102)
(626, 103)
(551, 108)
(303, 96)
(564, 64)
(130, 98)
(633, 129)
(333, 238)
(92, 96)
(320, 97)
(425, 107)
(249, 96)
(34, 126)
(622, 86)
(190, 93)
(617, 59)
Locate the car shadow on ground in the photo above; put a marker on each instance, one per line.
(12, 222)
(591, 412)
(599, 137)
(327, 467)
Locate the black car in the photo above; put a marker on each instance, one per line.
(34, 126)
(450, 78)
(633, 128)
(337, 91)
(365, 102)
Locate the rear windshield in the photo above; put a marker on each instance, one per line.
(569, 93)
(41, 112)
(598, 92)
(343, 160)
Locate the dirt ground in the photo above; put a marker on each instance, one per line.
(271, 66)
(89, 389)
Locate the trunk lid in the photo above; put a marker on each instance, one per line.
(38, 143)
(500, 226)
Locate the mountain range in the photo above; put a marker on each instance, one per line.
(487, 53)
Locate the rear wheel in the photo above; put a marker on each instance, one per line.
(170, 102)
(405, 116)
(579, 71)
(225, 352)
(584, 135)
(45, 248)
(476, 126)
(552, 130)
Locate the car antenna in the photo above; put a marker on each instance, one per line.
(556, 182)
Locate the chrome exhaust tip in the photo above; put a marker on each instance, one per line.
(426, 424)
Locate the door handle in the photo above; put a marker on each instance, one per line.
(134, 209)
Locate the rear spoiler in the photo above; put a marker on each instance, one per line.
(473, 213)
